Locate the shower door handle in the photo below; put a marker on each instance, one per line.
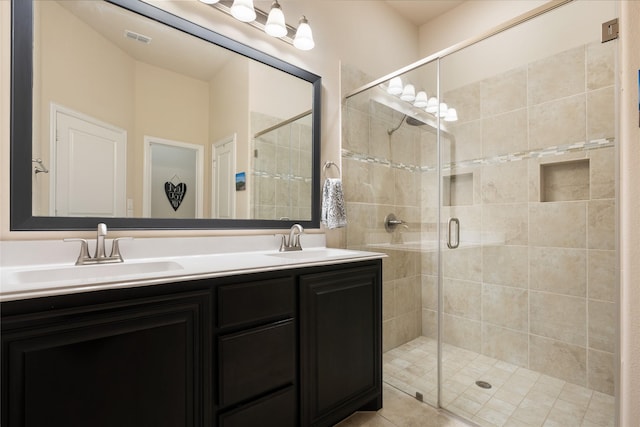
(451, 245)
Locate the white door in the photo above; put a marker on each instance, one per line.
(223, 186)
(90, 166)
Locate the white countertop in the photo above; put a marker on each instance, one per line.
(44, 268)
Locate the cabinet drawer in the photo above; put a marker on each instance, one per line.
(254, 301)
(256, 361)
(277, 409)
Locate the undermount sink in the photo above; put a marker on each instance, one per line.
(93, 272)
(315, 254)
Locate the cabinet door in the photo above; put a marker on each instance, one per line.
(340, 321)
(133, 363)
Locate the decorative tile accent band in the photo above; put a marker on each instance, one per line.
(287, 177)
(555, 150)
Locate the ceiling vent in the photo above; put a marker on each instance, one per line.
(137, 36)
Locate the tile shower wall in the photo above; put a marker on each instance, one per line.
(530, 174)
(281, 169)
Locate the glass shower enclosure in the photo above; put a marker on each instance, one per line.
(497, 163)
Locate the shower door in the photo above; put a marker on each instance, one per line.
(527, 177)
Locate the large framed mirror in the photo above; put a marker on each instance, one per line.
(126, 114)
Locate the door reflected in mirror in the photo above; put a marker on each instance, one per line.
(105, 80)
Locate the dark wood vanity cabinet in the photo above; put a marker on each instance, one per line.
(290, 348)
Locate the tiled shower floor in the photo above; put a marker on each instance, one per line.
(518, 396)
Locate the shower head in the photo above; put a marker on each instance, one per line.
(411, 121)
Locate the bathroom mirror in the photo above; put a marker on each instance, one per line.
(142, 119)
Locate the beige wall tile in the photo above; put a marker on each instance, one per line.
(357, 181)
(504, 92)
(407, 188)
(558, 270)
(408, 295)
(383, 181)
(558, 122)
(379, 140)
(602, 169)
(600, 65)
(505, 344)
(602, 225)
(388, 299)
(506, 307)
(601, 371)
(505, 182)
(565, 181)
(462, 298)
(559, 224)
(505, 133)
(558, 359)
(602, 275)
(356, 134)
(601, 114)
(602, 325)
(430, 323)
(463, 263)
(505, 265)
(430, 292)
(557, 76)
(463, 333)
(466, 144)
(466, 101)
(506, 222)
(559, 317)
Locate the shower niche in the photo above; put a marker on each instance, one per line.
(564, 181)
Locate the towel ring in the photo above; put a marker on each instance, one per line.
(327, 165)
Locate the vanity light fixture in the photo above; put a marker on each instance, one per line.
(272, 23)
(276, 25)
(442, 111)
(451, 116)
(243, 10)
(304, 36)
(432, 105)
(421, 100)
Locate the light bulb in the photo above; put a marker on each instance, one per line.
(243, 10)
(304, 37)
(275, 25)
(443, 109)
(409, 93)
(451, 116)
(395, 86)
(421, 99)
(432, 105)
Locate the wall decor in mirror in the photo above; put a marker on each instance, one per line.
(144, 119)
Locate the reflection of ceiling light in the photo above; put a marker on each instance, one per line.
(275, 25)
(443, 109)
(304, 36)
(243, 10)
(137, 36)
(395, 86)
(210, 1)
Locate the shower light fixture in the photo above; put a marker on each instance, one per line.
(395, 86)
(304, 36)
(243, 10)
(409, 93)
(275, 25)
(421, 99)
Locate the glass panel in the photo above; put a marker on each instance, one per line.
(389, 165)
(529, 172)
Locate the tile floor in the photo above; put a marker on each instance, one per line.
(519, 397)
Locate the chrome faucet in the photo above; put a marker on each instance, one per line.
(100, 255)
(293, 242)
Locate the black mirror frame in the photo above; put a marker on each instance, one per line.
(21, 207)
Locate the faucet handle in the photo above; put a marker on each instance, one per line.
(115, 248)
(84, 250)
